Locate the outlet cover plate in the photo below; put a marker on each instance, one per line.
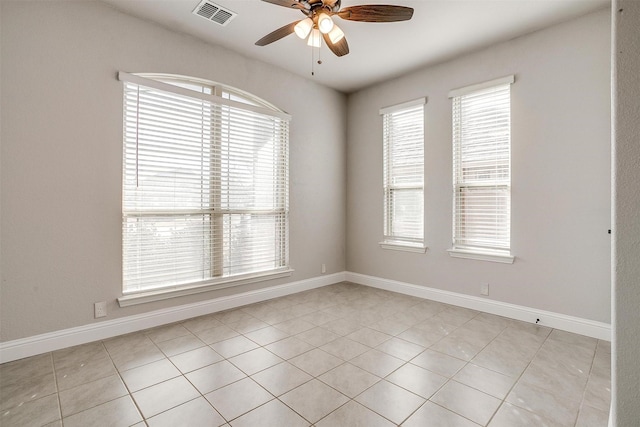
(100, 309)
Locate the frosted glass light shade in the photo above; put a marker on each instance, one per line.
(325, 23)
(336, 34)
(303, 28)
(314, 38)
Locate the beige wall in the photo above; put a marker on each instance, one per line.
(62, 155)
(560, 172)
(626, 207)
(61, 114)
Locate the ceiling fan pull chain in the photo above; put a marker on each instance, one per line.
(312, 61)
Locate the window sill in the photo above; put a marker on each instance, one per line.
(167, 293)
(481, 256)
(402, 246)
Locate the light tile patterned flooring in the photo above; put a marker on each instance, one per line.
(341, 355)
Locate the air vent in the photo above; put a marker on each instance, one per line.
(214, 12)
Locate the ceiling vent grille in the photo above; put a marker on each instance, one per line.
(214, 12)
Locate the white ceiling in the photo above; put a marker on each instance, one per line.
(439, 30)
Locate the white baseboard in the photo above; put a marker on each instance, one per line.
(564, 322)
(30, 346)
(25, 347)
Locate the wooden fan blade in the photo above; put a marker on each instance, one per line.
(277, 34)
(376, 13)
(340, 48)
(295, 4)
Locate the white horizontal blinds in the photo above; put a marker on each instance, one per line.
(204, 189)
(403, 141)
(167, 178)
(482, 171)
(253, 192)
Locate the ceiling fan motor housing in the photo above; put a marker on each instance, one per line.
(314, 6)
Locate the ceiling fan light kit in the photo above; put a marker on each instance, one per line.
(303, 28)
(314, 38)
(319, 22)
(325, 23)
(336, 34)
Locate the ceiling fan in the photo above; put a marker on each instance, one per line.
(319, 22)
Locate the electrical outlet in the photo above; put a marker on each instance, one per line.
(484, 289)
(100, 309)
(323, 269)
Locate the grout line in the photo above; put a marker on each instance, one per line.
(135, 404)
(518, 380)
(55, 380)
(584, 392)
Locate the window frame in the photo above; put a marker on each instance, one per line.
(219, 95)
(493, 253)
(392, 241)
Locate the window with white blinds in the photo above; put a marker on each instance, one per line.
(205, 185)
(482, 168)
(403, 157)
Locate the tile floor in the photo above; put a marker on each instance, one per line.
(341, 355)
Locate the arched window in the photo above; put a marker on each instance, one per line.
(205, 187)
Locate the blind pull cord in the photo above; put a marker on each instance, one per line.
(137, 140)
